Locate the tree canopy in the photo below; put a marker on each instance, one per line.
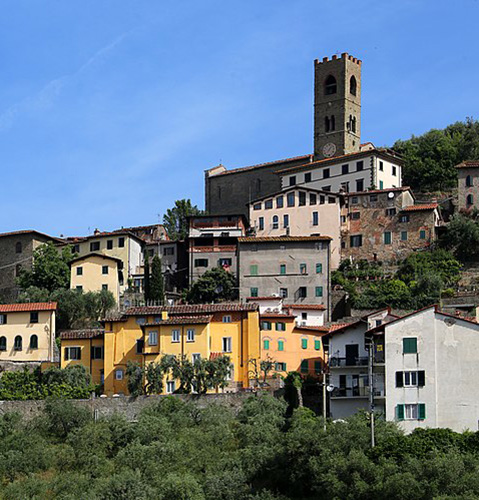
(50, 269)
(181, 450)
(431, 157)
(175, 219)
(214, 285)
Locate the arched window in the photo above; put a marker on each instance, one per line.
(3, 343)
(469, 200)
(353, 85)
(353, 124)
(18, 247)
(327, 125)
(18, 343)
(34, 342)
(330, 86)
(275, 222)
(332, 121)
(468, 181)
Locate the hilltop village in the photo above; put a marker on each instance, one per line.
(257, 286)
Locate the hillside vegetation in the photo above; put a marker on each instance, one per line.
(431, 157)
(176, 451)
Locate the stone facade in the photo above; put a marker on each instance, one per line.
(213, 242)
(468, 185)
(296, 268)
(16, 253)
(386, 225)
(228, 192)
(337, 106)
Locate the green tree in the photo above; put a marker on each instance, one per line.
(146, 278)
(157, 288)
(462, 237)
(50, 269)
(215, 285)
(176, 219)
(154, 378)
(135, 378)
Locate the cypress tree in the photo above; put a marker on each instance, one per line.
(146, 279)
(157, 286)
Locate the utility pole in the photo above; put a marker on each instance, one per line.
(371, 390)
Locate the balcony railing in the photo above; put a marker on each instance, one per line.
(356, 392)
(336, 362)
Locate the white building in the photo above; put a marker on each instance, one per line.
(348, 362)
(354, 172)
(425, 368)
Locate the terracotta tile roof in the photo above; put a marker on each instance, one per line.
(340, 326)
(216, 355)
(273, 239)
(114, 317)
(191, 309)
(311, 307)
(91, 333)
(30, 231)
(468, 164)
(319, 329)
(28, 307)
(261, 165)
(96, 254)
(182, 320)
(420, 208)
(337, 159)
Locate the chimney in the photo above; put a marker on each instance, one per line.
(96, 232)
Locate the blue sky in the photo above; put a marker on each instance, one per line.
(112, 109)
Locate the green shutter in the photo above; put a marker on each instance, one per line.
(400, 412)
(266, 344)
(253, 269)
(254, 292)
(422, 234)
(409, 345)
(387, 238)
(319, 268)
(317, 345)
(421, 411)
(317, 366)
(304, 366)
(319, 291)
(282, 269)
(280, 345)
(304, 343)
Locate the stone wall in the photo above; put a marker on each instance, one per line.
(129, 407)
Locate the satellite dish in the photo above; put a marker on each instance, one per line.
(390, 195)
(330, 388)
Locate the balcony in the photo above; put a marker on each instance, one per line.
(356, 392)
(336, 362)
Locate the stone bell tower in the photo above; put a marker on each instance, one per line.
(337, 106)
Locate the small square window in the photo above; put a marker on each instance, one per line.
(279, 202)
(303, 269)
(319, 291)
(387, 238)
(290, 199)
(359, 166)
(253, 292)
(326, 175)
(281, 327)
(307, 177)
(257, 206)
(121, 242)
(175, 336)
(302, 198)
(403, 235)
(109, 244)
(345, 169)
(355, 215)
(190, 335)
(381, 166)
(292, 180)
(79, 271)
(268, 204)
(152, 338)
(313, 199)
(104, 269)
(104, 287)
(409, 345)
(118, 374)
(422, 234)
(227, 344)
(34, 317)
(283, 293)
(227, 319)
(304, 366)
(94, 246)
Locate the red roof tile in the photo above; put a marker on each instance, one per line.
(28, 307)
(191, 309)
(182, 320)
(420, 208)
(319, 329)
(311, 307)
(91, 333)
(468, 164)
(340, 326)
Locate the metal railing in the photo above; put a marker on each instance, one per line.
(340, 362)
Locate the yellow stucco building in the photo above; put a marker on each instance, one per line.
(27, 332)
(291, 347)
(93, 272)
(84, 347)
